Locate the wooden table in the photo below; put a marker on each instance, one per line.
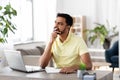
(8, 74)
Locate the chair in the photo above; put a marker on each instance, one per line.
(112, 55)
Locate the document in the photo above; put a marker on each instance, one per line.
(52, 70)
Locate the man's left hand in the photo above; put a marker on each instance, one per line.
(68, 70)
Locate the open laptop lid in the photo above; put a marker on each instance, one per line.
(15, 60)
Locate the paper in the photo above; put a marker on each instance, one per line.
(52, 70)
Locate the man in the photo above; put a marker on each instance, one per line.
(66, 49)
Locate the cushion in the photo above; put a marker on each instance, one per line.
(41, 48)
(114, 59)
(34, 51)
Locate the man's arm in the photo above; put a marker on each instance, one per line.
(86, 60)
(46, 56)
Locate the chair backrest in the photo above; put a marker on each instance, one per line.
(115, 48)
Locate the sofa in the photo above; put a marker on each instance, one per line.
(31, 51)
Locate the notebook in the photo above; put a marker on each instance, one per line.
(16, 62)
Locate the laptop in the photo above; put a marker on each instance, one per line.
(16, 62)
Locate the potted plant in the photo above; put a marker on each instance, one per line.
(81, 70)
(102, 33)
(6, 24)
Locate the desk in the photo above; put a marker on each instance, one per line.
(8, 74)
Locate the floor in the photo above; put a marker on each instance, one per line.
(116, 74)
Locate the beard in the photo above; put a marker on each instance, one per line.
(57, 30)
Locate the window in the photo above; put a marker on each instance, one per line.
(23, 20)
(34, 20)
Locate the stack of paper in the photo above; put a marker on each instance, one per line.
(52, 70)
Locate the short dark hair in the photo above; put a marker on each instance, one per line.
(69, 19)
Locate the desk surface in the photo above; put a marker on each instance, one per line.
(8, 74)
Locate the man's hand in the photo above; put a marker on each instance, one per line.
(53, 36)
(68, 70)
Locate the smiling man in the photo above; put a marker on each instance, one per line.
(66, 49)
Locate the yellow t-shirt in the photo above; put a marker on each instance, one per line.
(68, 53)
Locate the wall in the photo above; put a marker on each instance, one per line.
(44, 13)
(95, 10)
(78, 7)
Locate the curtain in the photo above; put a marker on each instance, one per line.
(108, 10)
(44, 16)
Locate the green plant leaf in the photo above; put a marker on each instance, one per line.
(1, 24)
(0, 7)
(92, 38)
(102, 39)
(14, 12)
(5, 31)
(7, 9)
(2, 40)
(82, 66)
(14, 27)
(1, 17)
(11, 30)
(10, 11)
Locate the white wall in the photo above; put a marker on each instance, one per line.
(95, 10)
(78, 7)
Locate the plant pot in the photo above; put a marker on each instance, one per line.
(107, 43)
(80, 73)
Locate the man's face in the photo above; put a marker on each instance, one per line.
(60, 25)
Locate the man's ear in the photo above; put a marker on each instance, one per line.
(68, 26)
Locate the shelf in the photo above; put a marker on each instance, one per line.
(79, 25)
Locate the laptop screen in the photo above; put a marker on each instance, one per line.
(15, 59)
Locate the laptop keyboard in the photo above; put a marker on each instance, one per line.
(33, 68)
